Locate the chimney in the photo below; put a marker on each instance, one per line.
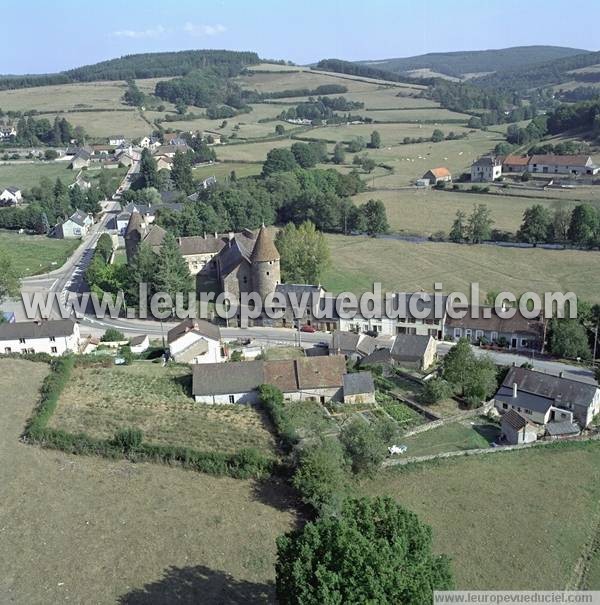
(205, 235)
(515, 389)
(230, 235)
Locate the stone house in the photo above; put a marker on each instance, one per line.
(486, 169)
(516, 429)
(196, 341)
(76, 226)
(438, 175)
(10, 196)
(562, 164)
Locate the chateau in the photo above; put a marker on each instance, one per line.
(247, 261)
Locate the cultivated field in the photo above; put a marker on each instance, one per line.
(99, 401)
(356, 264)
(35, 254)
(501, 517)
(27, 174)
(88, 530)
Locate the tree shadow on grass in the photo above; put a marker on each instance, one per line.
(199, 585)
(489, 432)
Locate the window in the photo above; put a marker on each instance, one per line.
(7, 350)
(468, 333)
(53, 350)
(231, 398)
(457, 332)
(504, 406)
(52, 339)
(478, 333)
(22, 341)
(494, 336)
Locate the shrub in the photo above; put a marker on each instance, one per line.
(128, 439)
(435, 390)
(272, 400)
(366, 444)
(112, 335)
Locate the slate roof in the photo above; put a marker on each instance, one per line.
(378, 356)
(344, 342)
(560, 429)
(79, 217)
(538, 391)
(409, 347)
(514, 420)
(36, 329)
(198, 326)
(11, 189)
(155, 236)
(358, 383)
(224, 378)
(487, 160)
(138, 340)
(170, 196)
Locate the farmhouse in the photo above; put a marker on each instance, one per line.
(406, 351)
(438, 175)
(312, 378)
(195, 341)
(515, 332)
(562, 164)
(485, 169)
(6, 132)
(163, 162)
(515, 163)
(545, 399)
(139, 344)
(80, 160)
(198, 251)
(117, 139)
(149, 142)
(10, 196)
(170, 150)
(76, 226)
(54, 337)
(81, 183)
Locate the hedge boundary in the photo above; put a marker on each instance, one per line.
(245, 464)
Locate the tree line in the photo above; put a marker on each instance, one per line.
(40, 131)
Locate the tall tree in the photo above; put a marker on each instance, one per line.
(339, 154)
(480, 224)
(304, 253)
(141, 271)
(172, 272)
(568, 338)
(181, 173)
(375, 140)
(279, 160)
(537, 225)
(148, 170)
(458, 232)
(584, 226)
(375, 217)
(373, 551)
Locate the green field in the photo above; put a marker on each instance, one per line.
(35, 254)
(357, 263)
(81, 529)
(27, 174)
(102, 124)
(451, 437)
(157, 400)
(509, 521)
(223, 170)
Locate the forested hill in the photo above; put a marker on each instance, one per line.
(147, 65)
(544, 74)
(367, 71)
(459, 63)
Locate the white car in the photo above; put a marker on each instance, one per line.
(397, 449)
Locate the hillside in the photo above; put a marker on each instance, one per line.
(145, 65)
(458, 64)
(545, 74)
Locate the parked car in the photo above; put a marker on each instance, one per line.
(307, 328)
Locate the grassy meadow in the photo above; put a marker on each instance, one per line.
(27, 174)
(35, 254)
(82, 529)
(501, 517)
(157, 400)
(356, 264)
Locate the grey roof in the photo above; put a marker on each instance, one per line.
(82, 154)
(408, 347)
(36, 329)
(12, 189)
(518, 324)
(197, 244)
(171, 196)
(300, 293)
(358, 383)
(198, 326)
(141, 208)
(79, 217)
(344, 342)
(514, 420)
(138, 340)
(224, 378)
(378, 356)
(538, 391)
(557, 429)
(487, 160)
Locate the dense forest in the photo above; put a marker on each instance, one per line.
(476, 61)
(366, 71)
(146, 65)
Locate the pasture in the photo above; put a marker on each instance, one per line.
(35, 254)
(27, 174)
(98, 401)
(222, 170)
(356, 264)
(83, 529)
(500, 517)
(102, 124)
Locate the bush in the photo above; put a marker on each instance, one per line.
(113, 335)
(366, 444)
(128, 439)
(272, 400)
(435, 390)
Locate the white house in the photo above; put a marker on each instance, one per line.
(117, 139)
(485, 169)
(7, 131)
(54, 337)
(76, 226)
(10, 196)
(139, 344)
(196, 341)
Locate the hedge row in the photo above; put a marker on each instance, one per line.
(244, 464)
(272, 400)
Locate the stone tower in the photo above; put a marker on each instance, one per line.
(266, 273)
(133, 235)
